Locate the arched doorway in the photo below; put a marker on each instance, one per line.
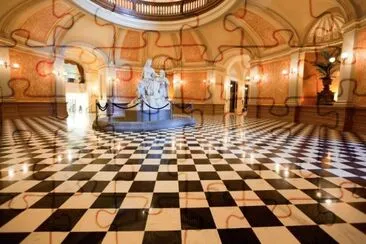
(77, 98)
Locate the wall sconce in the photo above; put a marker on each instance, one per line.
(285, 72)
(257, 78)
(7, 65)
(178, 82)
(345, 56)
(247, 78)
(208, 82)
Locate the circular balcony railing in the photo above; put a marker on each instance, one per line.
(159, 11)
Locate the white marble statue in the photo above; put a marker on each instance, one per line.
(153, 88)
(164, 84)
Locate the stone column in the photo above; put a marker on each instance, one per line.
(347, 71)
(60, 99)
(295, 78)
(253, 85)
(252, 80)
(107, 76)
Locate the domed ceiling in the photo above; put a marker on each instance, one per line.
(157, 15)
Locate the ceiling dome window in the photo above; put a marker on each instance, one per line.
(326, 29)
(159, 10)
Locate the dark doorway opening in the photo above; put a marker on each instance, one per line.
(246, 97)
(233, 96)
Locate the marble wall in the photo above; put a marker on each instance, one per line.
(359, 97)
(274, 86)
(34, 80)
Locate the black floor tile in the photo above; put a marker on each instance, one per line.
(45, 186)
(219, 199)
(4, 184)
(74, 167)
(8, 214)
(135, 161)
(238, 236)
(260, 216)
(236, 185)
(208, 176)
(82, 176)
(10, 238)
(42, 175)
(165, 200)
(109, 200)
(130, 220)
(320, 195)
(171, 237)
(361, 227)
(52, 200)
(62, 220)
(359, 205)
(201, 161)
(280, 184)
(196, 218)
(127, 176)
(84, 237)
(142, 186)
(149, 168)
(111, 167)
(310, 234)
(271, 197)
(190, 186)
(94, 186)
(222, 167)
(186, 168)
(246, 175)
(322, 183)
(173, 176)
(319, 214)
(168, 161)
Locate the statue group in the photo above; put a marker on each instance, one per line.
(153, 88)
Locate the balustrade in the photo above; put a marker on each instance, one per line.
(159, 10)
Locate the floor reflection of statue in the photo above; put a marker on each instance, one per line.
(153, 89)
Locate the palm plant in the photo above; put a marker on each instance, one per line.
(326, 69)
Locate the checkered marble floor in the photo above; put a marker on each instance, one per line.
(227, 180)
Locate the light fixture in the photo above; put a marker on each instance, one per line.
(257, 78)
(7, 65)
(293, 71)
(344, 55)
(284, 72)
(247, 78)
(332, 59)
(178, 82)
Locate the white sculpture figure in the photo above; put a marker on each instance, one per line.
(164, 84)
(152, 89)
(148, 77)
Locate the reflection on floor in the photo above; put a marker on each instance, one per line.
(227, 180)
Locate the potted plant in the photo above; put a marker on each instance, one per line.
(326, 69)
